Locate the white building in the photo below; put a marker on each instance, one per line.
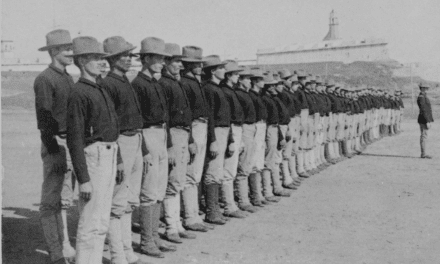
(332, 48)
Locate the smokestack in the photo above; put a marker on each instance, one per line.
(333, 31)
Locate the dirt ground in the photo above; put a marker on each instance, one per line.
(379, 207)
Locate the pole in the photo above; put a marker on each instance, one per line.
(412, 88)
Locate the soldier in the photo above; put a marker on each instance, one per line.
(247, 154)
(257, 184)
(333, 122)
(275, 140)
(313, 122)
(157, 138)
(228, 86)
(183, 147)
(92, 131)
(192, 83)
(132, 147)
(52, 88)
(288, 164)
(219, 139)
(304, 125)
(425, 118)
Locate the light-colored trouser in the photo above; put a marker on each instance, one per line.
(260, 146)
(94, 215)
(195, 169)
(126, 194)
(214, 168)
(58, 187)
(311, 131)
(155, 179)
(273, 156)
(56, 194)
(247, 155)
(341, 126)
(423, 137)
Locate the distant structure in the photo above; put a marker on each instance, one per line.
(7, 49)
(332, 48)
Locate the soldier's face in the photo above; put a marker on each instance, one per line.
(174, 66)
(246, 82)
(92, 64)
(123, 63)
(260, 83)
(60, 54)
(279, 88)
(219, 72)
(295, 86)
(155, 62)
(196, 68)
(313, 86)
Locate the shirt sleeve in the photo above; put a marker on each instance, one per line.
(46, 122)
(77, 112)
(211, 102)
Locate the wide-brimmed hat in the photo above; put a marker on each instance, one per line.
(424, 85)
(245, 71)
(300, 73)
(192, 54)
(276, 77)
(319, 80)
(307, 80)
(86, 45)
(285, 74)
(232, 66)
(174, 50)
(257, 73)
(153, 45)
(312, 78)
(56, 38)
(294, 78)
(212, 61)
(117, 45)
(268, 78)
(330, 83)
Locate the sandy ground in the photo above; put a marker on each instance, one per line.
(380, 207)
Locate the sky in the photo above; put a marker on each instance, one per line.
(229, 28)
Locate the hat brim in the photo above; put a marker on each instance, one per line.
(250, 75)
(46, 48)
(271, 83)
(257, 76)
(154, 53)
(192, 60)
(234, 71)
(215, 65)
(117, 53)
(87, 53)
(286, 77)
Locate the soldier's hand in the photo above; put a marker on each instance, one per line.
(85, 191)
(120, 173)
(282, 144)
(213, 150)
(230, 151)
(192, 148)
(148, 159)
(171, 159)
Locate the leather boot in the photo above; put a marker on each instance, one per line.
(115, 242)
(147, 221)
(201, 197)
(300, 165)
(171, 206)
(231, 209)
(127, 239)
(255, 193)
(51, 225)
(191, 210)
(292, 168)
(242, 189)
(287, 179)
(212, 215)
(162, 245)
(267, 187)
(68, 251)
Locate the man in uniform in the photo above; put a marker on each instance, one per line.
(155, 114)
(425, 118)
(92, 132)
(183, 147)
(52, 88)
(192, 83)
(132, 147)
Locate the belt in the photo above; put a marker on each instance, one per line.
(186, 128)
(236, 124)
(201, 120)
(160, 125)
(261, 121)
(130, 132)
(62, 135)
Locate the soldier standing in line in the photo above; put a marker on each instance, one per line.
(247, 153)
(261, 193)
(155, 131)
(424, 119)
(228, 86)
(92, 132)
(192, 83)
(301, 157)
(132, 146)
(309, 161)
(275, 141)
(334, 115)
(183, 148)
(288, 164)
(219, 139)
(52, 88)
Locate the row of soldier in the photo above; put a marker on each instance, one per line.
(243, 134)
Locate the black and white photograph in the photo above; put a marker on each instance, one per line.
(223, 132)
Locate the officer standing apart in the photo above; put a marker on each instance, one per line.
(52, 89)
(92, 131)
(425, 118)
(132, 147)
